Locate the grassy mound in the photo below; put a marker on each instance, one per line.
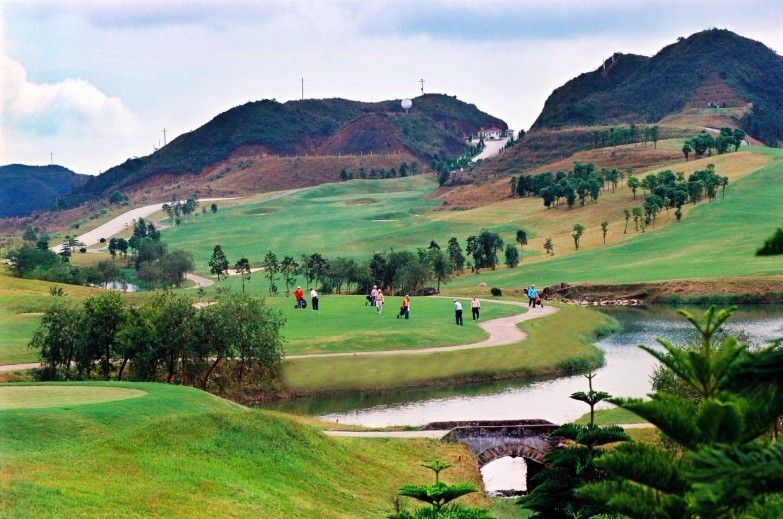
(179, 452)
(27, 397)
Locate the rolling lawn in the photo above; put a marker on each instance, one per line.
(558, 343)
(344, 323)
(180, 452)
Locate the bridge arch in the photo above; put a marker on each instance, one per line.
(513, 450)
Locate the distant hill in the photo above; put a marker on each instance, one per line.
(714, 66)
(432, 130)
(23, 189)
(671, 89)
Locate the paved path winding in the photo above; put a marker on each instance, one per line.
(501, 331)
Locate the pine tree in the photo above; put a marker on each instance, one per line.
(572, 467)
(723, 468)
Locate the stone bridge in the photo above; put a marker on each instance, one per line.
(492, 440)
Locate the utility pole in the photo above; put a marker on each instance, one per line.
(422, 86)
(51, 159)
(164, 136)
(302, 89)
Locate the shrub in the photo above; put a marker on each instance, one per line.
(495, 291)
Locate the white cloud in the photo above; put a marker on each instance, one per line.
(69, 111)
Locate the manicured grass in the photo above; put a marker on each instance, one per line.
(34, 396)
(557, 343)
(611, 416)
(179, 452)
(716, 239)
(344, 323)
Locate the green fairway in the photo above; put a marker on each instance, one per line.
(350, 219)
(19, 396)
(559, 343)
(717, 239)
(344, 323)
(180, 452)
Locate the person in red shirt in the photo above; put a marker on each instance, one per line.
(298, 293)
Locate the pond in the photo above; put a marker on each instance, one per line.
(626, 372)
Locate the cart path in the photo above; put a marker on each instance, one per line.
(502, 331)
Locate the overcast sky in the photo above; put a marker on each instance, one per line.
(95, 82)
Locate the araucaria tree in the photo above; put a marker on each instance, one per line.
(724, 465)
(440, 496)
(604, 229)
(578, 230)
(571, 465)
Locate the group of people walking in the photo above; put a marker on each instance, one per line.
(300, 300)
(376, 299)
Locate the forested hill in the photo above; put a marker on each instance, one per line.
(715, 66)
(27, 188)
(433, 129)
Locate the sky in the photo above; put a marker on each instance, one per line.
(89, 83)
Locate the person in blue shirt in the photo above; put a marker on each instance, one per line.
(531, 294)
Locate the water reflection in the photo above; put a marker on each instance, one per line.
(626, 372)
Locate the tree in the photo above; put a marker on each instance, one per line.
(637, 214)
(442, 266)
(271, 268)
(103, 317)
(484, 249)
(213, 207)
(627, 215)
(455, 254)
(117, 197)
(571, 466)
(29, 234)
(289, 267)
(686, 150)
(57, 340)
(175, 265)
(633, 183)
(242, 268)
(314, 267)
(738, 136)
(521, 238)
(604, 227)
(511, 255)
(548, 246)
(218, 264)
(773, 245)
(722, 470)
(578, 230)
(438, 496)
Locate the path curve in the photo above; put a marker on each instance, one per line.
(502, 330)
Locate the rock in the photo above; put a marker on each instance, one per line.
(483, 285)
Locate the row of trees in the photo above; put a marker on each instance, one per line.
(403, 171)
(717, 404)
(166, 338)
(704, 143)
(631, 134)
(582, 182)
(394, 271)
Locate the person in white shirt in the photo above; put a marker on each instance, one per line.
(458, 312)
(314, 298)
(474, 307)
(379, 301)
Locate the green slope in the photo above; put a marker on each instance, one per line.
(179, 452)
